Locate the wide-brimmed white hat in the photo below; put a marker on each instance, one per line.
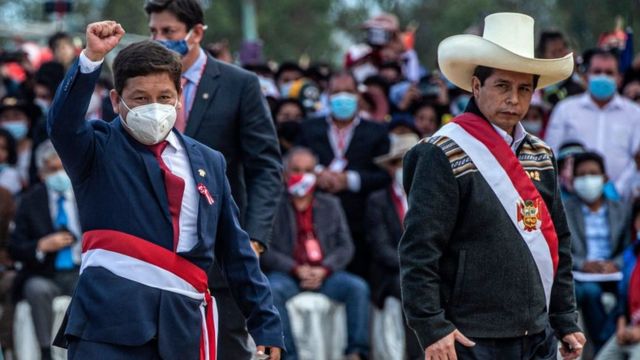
(400, 144)
(507, 43)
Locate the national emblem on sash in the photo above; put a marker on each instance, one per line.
(529, 214)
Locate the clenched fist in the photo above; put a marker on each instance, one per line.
(102, 37)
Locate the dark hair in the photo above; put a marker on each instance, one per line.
(391, 65)
(188, 12)
(287, 66)
(12, 151)
(50, 75)
(145, 58)
(588, 56)
(483, 73)
(282, 102)
(546, 37)
(343, 73)
(377, 80)
(587, 156)
(57, 37)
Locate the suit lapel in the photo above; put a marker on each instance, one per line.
(152, 169)
(357, 138)
(198, 166)
(204, 96)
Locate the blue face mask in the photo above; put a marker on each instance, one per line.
(343, 106)
(17, 128)
(602, 87)
(58, 181)
(179, 46)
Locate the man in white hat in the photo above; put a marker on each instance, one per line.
(485, 259)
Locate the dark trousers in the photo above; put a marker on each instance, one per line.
(83, 349)
(541, 346)
(233, 338)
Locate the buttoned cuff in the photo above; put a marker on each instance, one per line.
(87, 66)
(353, 181)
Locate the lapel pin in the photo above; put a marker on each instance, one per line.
(202, 173)
(205, 96)
(202, 189)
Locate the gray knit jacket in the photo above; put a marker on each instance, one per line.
(463, 263)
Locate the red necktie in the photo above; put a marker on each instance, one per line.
(174, 186)
(181, 119)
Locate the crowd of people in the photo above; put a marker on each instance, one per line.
(342, 133)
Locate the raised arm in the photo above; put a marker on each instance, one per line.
(71, 134)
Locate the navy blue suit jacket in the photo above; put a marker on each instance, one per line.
(119, 186)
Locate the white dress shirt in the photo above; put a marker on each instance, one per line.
(353, 178)
(613, 131)
(177, 160)
(519, 133)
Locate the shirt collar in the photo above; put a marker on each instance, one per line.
(354, 123)
(194, 72)
(615, 103)
(519, 134)
(173, 141)
(600, 212)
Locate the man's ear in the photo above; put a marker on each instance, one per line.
(115, 101)
(197, 33)
(475, 86)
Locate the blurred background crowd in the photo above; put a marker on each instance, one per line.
(345, 111)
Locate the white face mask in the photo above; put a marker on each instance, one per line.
(589, 187)
(150, 123)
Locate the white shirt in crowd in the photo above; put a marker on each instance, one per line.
(177, 160)
(612, 131)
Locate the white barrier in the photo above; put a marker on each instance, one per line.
(24, 334)
(387, 339)
(319, 326)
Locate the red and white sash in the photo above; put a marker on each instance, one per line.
(144, 262)
(517, 194)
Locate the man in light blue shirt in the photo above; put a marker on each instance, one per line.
(600, 231)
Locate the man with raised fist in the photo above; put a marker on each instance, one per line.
(156, 208)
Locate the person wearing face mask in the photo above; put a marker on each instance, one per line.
(9, 175)
(15, 118)
(289, 115)
(602, 120)
(223, 108)
(385, 212)
(310, 249)
(46, 241)
(156, 209)
(346, 146)
(600, 231)
(288, 72)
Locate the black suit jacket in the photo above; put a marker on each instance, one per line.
(33, 221)
(384, 230)
(229, 114)
(369, 141)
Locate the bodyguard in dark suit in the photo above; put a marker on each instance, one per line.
(156, 209)
(346, 146)
(225, 110)
(46, 243)
(600, 232)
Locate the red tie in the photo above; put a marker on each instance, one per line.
(174, 185)
(181, 119)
